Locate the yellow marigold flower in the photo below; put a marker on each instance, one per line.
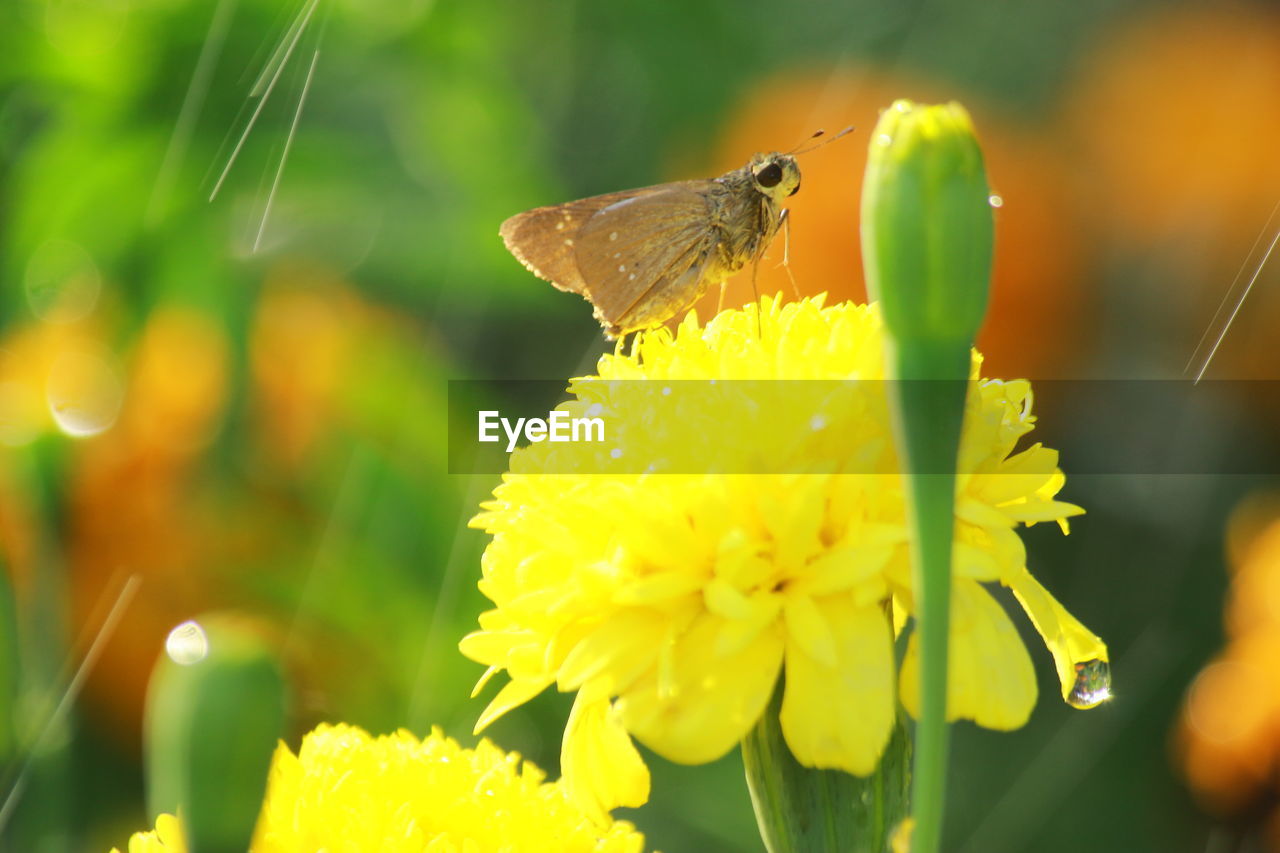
(345, 790)
(672, 603)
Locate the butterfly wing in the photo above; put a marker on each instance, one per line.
(643, 258)
(544, 239)
(639, 256)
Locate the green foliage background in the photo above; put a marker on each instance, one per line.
(425, 125)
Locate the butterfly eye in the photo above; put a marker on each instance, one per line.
(769, 176)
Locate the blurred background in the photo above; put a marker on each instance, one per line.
(241, 401)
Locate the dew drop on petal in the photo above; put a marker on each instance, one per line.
(616, 453)
(995, 200)
(187, 643)
(1093, 684)
(817, 422)
(83, 393)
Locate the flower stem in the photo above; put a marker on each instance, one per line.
(804, 810)
(932, 414)
(926, 246)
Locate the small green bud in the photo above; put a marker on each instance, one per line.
(926, 224)
(215, 712)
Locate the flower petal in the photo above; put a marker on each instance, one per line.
(512, 695)
(839, 715)
(600, 766)
(711, 701)
(990, 679)
(1069, 641)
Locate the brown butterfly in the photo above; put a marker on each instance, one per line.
(642, 256)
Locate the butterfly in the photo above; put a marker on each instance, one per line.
(642, 256)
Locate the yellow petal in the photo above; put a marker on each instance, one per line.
(623, 647)
(839, 714)
(990, 679)
(711, 701)
(600, 766)
(1068, 640)
(809, 629)
(1034, 511)
(514, 694)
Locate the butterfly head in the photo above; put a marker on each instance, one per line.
(775, 175)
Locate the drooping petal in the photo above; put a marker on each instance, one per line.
(600, 766)
(711, 700)
(990, 679)
(840, 715)
(1069, 641)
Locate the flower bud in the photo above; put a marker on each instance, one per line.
(926, 224)
(215, 711)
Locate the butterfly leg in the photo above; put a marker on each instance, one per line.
(724, 286)
(784, 219)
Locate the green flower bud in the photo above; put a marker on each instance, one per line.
(215, 712)
(926, 224)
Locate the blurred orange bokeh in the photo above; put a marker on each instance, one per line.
(134, 507)
(1173, 122)
(1039, 299)
(1228, 740)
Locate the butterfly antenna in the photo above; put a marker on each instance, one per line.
(817, 145)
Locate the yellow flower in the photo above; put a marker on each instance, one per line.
(345, 790)
(673, 602)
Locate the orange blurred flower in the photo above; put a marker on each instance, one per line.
(1038, 302)
(56, 376)
(1174, 121)
(302, 344)
(1228, 740)
(133, 504)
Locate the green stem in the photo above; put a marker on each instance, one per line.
(803, 810)
(931, 387)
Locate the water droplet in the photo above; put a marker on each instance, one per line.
(995, 200)
(83, 393)
(187, 644)
(616, 453)
(1093, 684)
(62, 281)
(817, 422)
(884, 139)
